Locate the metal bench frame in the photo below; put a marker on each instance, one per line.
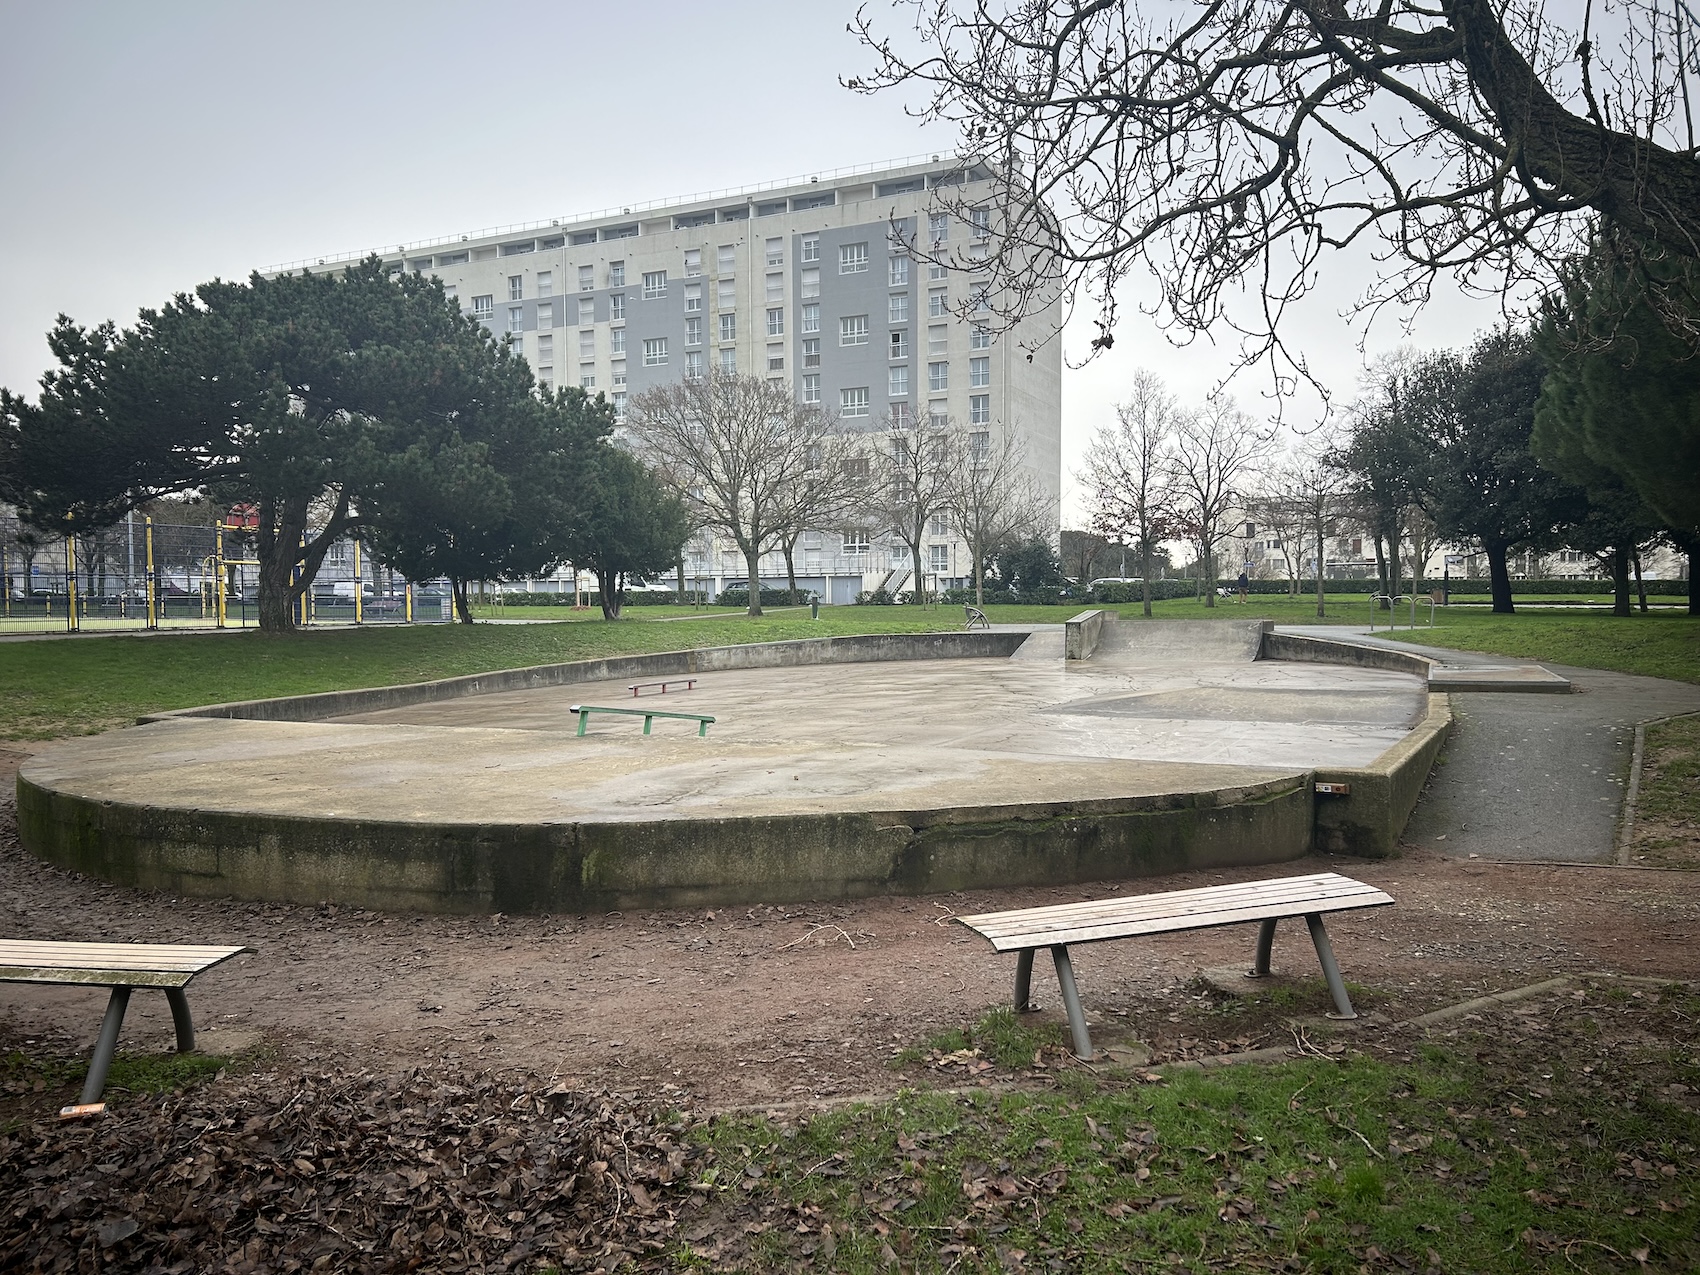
(123, 967)
(689, 683)
(648, 714)
(1025, 930)
(975, 617)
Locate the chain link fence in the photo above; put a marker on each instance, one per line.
(141, 574)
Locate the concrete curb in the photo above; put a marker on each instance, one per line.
(1081, 634)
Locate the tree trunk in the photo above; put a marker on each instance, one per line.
(1321, 542)
(609, 591)
(1640, 584)
(1207, 565)
(679, 594)
(979, 579)
(790, 571)
(920, 580)
(1145, 575)
(752, 564)
(1620, 582)
(1499, 576)
(463, 609)
(1381, 565)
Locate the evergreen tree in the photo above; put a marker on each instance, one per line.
(631, 526)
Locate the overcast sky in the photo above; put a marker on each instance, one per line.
(145, 148)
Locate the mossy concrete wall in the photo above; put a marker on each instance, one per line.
(1081, 634)
(1368, 820)
(567, 867)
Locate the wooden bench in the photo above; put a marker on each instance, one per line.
(1025, 930)
(122, 967)
(689, 683)
(649, 715)
(976, 617)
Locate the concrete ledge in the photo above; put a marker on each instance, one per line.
(1081, 634)
(853, 649)
(562, 867)
(1315, 650)
(1525, 679)
(1367, 820)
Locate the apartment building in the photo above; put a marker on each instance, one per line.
(810, 283)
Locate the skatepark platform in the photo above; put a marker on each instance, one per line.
(834, 768)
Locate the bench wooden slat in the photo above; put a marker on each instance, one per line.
(1174, 910)
(132, 964)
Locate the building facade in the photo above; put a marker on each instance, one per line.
(812, 284)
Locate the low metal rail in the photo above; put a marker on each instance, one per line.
(648, 714)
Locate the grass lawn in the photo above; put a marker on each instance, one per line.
(1667, 811)
(1553, 1143)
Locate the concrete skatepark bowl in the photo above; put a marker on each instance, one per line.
(836, 768)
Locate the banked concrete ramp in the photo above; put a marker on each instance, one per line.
(1181, 641)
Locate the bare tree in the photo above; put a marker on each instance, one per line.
(1215, 448)
(1321, 489)
(1130, 471)
(739, 448)
(1277, 503)
(911, 484)
(831, 485)
(993, 498)
(1225, 146)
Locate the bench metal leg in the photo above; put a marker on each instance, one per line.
(646, 721)
(583, 721)
(179, 1002)
(1024, 982)
(1265, 941)
(1071, 1002)
(1330, 971)
(106, 1045)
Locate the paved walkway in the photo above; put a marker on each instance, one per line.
(1532, 776)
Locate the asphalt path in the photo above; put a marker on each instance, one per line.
(1533, 777)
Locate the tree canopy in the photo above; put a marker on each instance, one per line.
(630, 526)
(1222, 148)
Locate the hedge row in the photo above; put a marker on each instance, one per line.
(593, 597)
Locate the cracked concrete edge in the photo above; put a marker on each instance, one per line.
(1515, 994)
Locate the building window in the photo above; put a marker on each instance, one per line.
(852, 258)
(899, 345)
(516, 287)
(900, 381)
(938, 340)
(811, 387)
(726, 294)
(775, 362)
(587, 376)
(726, 257)
(616, 307)
(693, 330)
(980, 337)
(776, 287)
(617, 341)
(587, 343)
(979, 442)
(616, 274)
(938, 304)
(938, 377)
(853, 329)
(545, 316)
(546, 378)
(897, 273)
(545, 283)
(729, 361)
(981, 297)
(981, 221)
(693, 365)
(619, 405)
(811, 352)
(853, 402)
(938, 525)
(937, 270)
(811, 248)
(516, 318)
(811, 283)
(776, 321)
(449, 291)
(654, 284)
(775, 252)
(483, 307)
(586, 311)
(901, 416)
(938, 559)
(545, 349)
(979, 373)
(693, 297)
(811, 318)
(619, 373)
(587, 278)
(938, 227)
(937, 416)
(898, 308)
(729, 327)
(655, 351)
(979, 409)
(856, 540)
(693, 262)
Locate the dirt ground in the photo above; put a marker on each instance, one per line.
(800, 1002)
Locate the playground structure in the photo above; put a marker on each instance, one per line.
(914, 763)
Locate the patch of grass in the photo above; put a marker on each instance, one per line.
(1657, 645)
(50, 687)
(139, 1074)
(1424, 1162)
(1667, 810)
